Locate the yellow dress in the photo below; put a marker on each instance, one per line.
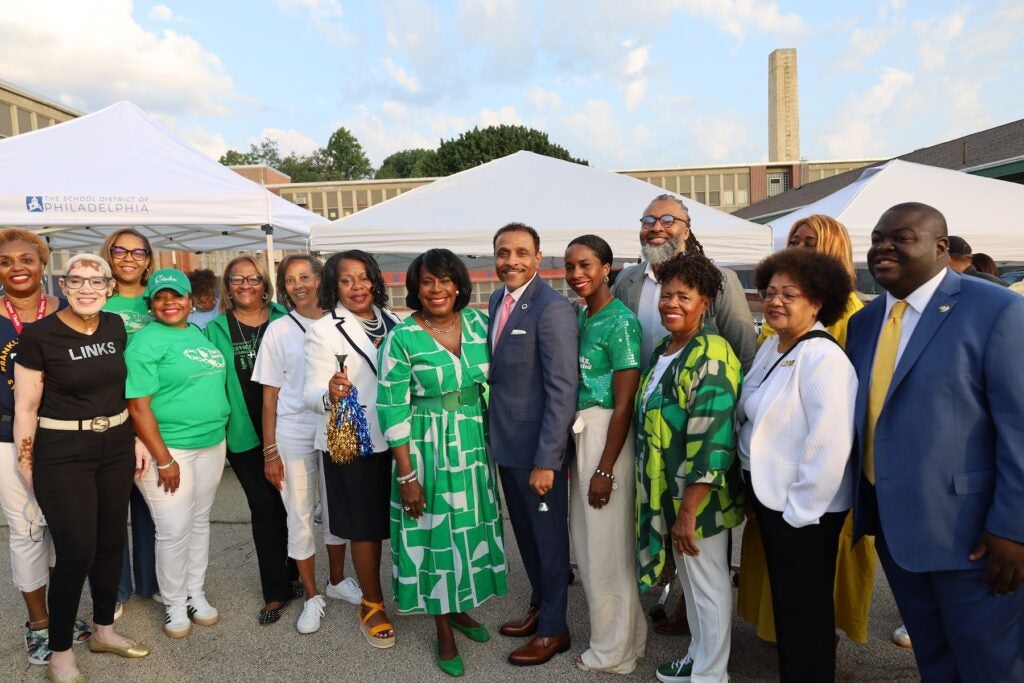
(855, 564)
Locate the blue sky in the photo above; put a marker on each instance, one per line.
(623, 84)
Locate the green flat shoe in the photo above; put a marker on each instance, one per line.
(479, 633)
(453, 667)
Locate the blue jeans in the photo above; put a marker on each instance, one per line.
(143, 552)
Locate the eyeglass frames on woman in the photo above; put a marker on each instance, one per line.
(96, 283)
(786, 296)
(667, 221)
(139, 254)
(253, 280)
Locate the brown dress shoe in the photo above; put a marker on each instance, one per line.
(539, 650)
(521, 627)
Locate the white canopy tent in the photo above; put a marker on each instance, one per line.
(75, 182)
(982, 210)
(562, 200)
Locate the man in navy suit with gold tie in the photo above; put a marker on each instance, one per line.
(940, 449)
(534, 378)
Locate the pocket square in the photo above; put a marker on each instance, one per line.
(515, 332)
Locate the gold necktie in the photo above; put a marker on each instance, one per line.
(881, 377)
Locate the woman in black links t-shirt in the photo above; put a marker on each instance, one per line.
(75, 446)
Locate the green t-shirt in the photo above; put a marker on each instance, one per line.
(609, 342)
(133, 311)
(185, 374)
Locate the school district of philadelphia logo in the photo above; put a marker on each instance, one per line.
(34, 204)
(211, 359)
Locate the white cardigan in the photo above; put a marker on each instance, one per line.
(323, 342)
(803, 429)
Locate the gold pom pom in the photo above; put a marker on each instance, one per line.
(342, 439)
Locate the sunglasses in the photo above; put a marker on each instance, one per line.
(667, 221)
(137, 254)
(253, 280)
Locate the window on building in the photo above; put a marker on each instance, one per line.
(778, 182)
(714, 198)
(332, 213)
(300, 199)
(24, 120)
(43, 121)
(700, 197)
(6, 127)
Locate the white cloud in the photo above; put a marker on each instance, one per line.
(719, 139)
(860, 129)
(288, 141)
(937, 36)
(213, 144)
(95, 53)
(738, 17)
(543, 100)
(162, 13)
(400, 76)
(503, 116)
(325, 16)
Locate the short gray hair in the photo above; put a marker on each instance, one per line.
(87, 260)
(671, 198)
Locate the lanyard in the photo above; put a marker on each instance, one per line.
(16, 321)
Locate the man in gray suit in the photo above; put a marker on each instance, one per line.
(665, 232)
(534, 378)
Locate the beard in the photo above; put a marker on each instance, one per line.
(661, 253)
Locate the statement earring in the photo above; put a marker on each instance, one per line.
(265, 296)
(606, 279)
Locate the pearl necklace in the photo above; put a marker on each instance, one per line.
(373, 326)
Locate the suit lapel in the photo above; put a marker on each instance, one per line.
(935, 314)
(862, 355)
(520, 308)
(350, 328)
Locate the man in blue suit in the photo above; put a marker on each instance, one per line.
(534, 379)
(940, 449)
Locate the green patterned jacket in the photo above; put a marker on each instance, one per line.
(686, 435)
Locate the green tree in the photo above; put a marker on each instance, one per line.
(344, 159)
(410, 163)
(478, 146)
(263, 152)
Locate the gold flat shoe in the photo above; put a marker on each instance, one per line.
(133, 651)
(52, 677)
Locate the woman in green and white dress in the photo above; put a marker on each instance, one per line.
(446, 533)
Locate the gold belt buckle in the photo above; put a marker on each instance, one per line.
(100, 424)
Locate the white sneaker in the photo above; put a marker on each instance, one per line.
(176, 624)
(348, 590)
(901, 637)
(201, 612)
(312, 612)
(158, 598)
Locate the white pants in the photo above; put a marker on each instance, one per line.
(303, 476)
(182, 520)
(31, 546)
(605, 544)
(708, 591)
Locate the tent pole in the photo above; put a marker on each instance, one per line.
(269, 230)
(49, 268)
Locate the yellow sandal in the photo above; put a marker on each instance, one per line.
(370, 632)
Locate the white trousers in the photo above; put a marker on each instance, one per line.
(605, 544)
(182, 520)
(708, 591)
(31, 546)
(303, 477)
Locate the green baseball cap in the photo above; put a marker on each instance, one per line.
(168, 278)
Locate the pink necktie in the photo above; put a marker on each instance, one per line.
(506, 310)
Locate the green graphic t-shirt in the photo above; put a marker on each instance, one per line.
(185, 374)
(133, 311)
(609, 341)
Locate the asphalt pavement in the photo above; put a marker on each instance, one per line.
(238, 648)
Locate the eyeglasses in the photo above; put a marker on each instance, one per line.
(137, 254)
(253, 280)
(96, 283)
(787, 296)
(667, 221)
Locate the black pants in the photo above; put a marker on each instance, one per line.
(82, 481)
(269, 525)
(801, 572)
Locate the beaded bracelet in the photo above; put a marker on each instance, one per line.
(168, 465)
(604, 474)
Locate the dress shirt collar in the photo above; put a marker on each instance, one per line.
(919, 298)
(518, 293)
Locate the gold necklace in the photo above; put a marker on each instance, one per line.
(429, 324)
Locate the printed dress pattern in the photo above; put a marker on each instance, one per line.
(685, 435)
(452, 558)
